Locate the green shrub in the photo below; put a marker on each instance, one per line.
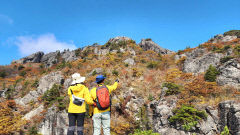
(237, 50)
(152, 65)
(225, 59)
(115, 72)
(226, 47)
(150, 97)
(211, 74)
(94, 72)
(225, 131)
(217, 50)
(33, 131)
(22, 73)
(61, 103)
(35, 84)
(41, 66)
(3, 74)
(21, 67)
(172, 88)
(64, 64)
(144, 132)
(187, 117)
(51, 95)
(78, 52)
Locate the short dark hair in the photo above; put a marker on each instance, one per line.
(100, 81)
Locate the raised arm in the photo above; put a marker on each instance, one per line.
(112, 87)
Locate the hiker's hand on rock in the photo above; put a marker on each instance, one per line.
(117, 80)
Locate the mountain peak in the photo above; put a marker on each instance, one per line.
(148, 44)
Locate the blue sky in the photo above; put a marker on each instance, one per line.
(27, 26)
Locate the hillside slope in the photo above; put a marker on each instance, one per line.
(192, 91)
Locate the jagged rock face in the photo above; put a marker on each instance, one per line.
(34, 58)
(229, 73)
(227, 114)
(50, 58)
(116, 40)
(230, 116)
(54, 123)
(96, 71)
(161, 111)
(129, 61)
(33, 113)
(197, 61)
(69, 55)
(150, 45)
(222, 38)
(209, 126)
(45, 83)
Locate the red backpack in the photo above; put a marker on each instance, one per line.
(103, 100)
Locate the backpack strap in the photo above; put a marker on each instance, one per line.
(71, 91)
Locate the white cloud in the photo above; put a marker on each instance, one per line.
(46, 43)
(4, 18)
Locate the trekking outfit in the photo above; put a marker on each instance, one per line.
(101, 116)
(76, 113)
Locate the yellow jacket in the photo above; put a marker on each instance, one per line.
(94, 96)
(80, 91)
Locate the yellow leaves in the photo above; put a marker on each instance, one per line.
(10, 121)
(173, 74)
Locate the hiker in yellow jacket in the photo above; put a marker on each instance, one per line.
(101, 117)
(76, 113)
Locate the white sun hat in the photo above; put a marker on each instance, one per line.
(77, 78)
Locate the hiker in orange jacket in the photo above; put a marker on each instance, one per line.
(101, 116)
(76, 113)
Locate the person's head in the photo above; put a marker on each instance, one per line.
(100, 79)
(77, 78)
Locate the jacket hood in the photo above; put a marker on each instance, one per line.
(77, 88)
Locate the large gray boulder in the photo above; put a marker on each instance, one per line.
(69, 56)
(33, 58)
(51, 58)
(148, 44)
(45, 83)
(129, 61)
(229, 113)
(161, 112)
(199, 60)
(96, 71)
(229, 73)
(33, 113)
(221, 38)
(54, 123)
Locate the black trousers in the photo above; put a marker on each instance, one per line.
(75, 119)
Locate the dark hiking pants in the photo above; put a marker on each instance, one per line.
(75, 118)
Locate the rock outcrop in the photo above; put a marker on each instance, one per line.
(222, 38)
(68, 55)
(54, 123)
(119, 39)
(229, 73)
(199, 60)
(229, 115)
(33, 58)
(148, 44)
(161, 111)
(129, 61)
(50, 58)
(45, 83)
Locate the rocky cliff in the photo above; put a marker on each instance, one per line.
(160, 90)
